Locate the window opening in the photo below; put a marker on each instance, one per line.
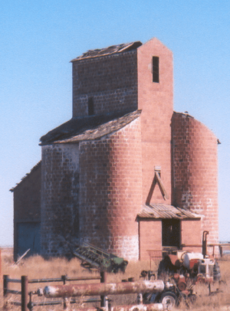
(155, 68)
(90, 106)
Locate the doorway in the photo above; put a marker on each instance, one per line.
(171, 232)
(28, 237)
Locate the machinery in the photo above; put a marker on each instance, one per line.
(192, 266)
(172, 294)
(93, 257)
(183, 270)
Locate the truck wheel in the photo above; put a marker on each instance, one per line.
(169, 300)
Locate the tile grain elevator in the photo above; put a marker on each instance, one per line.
(126, 173)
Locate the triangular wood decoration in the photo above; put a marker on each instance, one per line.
(157, 180)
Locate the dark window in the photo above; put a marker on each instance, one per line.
(90, 106)
(171, 232)
(155, 68)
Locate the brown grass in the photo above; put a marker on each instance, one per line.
(37, 267)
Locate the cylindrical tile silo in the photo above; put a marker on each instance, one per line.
(194, 166)
(111, 191)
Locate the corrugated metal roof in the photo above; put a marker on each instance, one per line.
(124, 47)
(88, 128)
(164, 211)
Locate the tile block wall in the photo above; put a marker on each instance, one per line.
(156, 102)
(191, 234)
(110, 80)
(110, 195)
(195, 184)
(59, 198)
(150, 238)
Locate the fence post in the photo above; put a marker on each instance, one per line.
(24, 292)
(64, 277)
(0, 265)
(103, 280)
(65, 300)
(221, 250)
(5, 285)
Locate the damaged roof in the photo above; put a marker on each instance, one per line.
(124, 47)
(88, 128)
(164, 211)
(31, 171)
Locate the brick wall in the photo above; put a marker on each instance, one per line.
(27, 199)
(110, 80)
(150, 238)
(60, 198)
(191, 234)
(156, 102)
(195, 183)
(110, 178)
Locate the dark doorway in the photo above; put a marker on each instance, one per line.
(171, 232)
(28, 237)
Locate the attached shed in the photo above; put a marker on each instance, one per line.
(162, 226)
(27, 213)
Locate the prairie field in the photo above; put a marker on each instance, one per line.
(36, 267)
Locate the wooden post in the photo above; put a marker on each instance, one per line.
(0, 265)
(204, 243)
(24, 291)
(66, 303)
(103, 280)
(63, 277)
(5, 285)
(221, 250)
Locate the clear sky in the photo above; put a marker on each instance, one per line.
(39, 38)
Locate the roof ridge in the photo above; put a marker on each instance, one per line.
(113, 49)
(79, 126)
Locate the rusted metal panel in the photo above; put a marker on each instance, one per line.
(104, 289)
(164, 211)
(87, 309)
(137, 307)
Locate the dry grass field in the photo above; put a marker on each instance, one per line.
(37, 267)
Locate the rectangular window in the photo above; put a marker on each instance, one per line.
(90, 106)
(155, 68)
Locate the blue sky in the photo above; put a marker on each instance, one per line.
(39, 38)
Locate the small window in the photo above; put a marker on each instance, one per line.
(90, 106)
(155, 68)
